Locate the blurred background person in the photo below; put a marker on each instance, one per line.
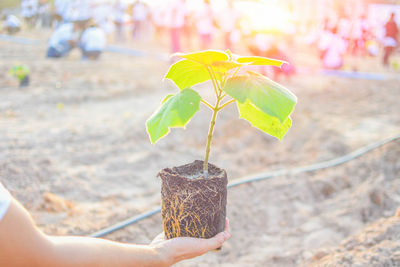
(227, 22)
(189, 27)
(140, 14)
(390, 40)
(176, 23)
(61, 11)
(355, 44)
(44, 14)
(119, 10)
(286, 70)
(79, 10)
(344, 28)
(29, 11)
(159, 18)
(12, 24)
(102, 13)
(63, 39)
(205, 24)
(92, 42)
(333, 49)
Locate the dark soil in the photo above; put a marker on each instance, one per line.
(192, 205)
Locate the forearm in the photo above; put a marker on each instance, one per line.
(86, 251)
(22, 244)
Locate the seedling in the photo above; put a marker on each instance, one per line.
(194, 195)
(21, 72)
(261, 101)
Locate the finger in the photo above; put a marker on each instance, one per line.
(217, 241)
(196, 246)
(227, 228)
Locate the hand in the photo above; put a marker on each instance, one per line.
(182, 248)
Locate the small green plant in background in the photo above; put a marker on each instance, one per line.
(21, 72)
(266, 104)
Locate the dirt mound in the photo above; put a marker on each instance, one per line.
(377, 245)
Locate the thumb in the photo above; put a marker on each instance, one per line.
(217, 241)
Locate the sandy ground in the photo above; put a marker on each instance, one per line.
(74, 151)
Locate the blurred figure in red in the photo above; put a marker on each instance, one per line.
(390, 40)
(205, 24)
(176, 24)
(159, 18)
(189, 27)
(266, 45)
(286, 70)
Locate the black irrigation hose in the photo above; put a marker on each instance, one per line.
(260, 177)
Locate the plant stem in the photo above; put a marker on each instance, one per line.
(227, 103)
(218, 93)
(236, 71)
(210, 71)
(209, 137)
(207, 104)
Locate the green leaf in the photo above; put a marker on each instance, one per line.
(19, 71)
(263, 121)
(186, 73)
(224, 66)
(166, 98)
(207, 57)
(269, 96)
(261, 61)
(175, 111)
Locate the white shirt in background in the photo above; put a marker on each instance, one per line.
(336, 47)
(344, 28)
(204, 19)
(356, 29)
(324, 41)
(93, 39)
(29, 8)
(176, 14)
(119, 12)
(228, 19)
(161, 15)
(263, 41)
(5, 200)
(44, 8)
(62, 7)
(64, 32)
(79, 10)
(12, 21)
(139, 12)
(101, 13)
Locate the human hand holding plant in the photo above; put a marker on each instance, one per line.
(183, 248)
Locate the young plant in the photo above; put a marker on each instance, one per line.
(21, 72)
(266, 104)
